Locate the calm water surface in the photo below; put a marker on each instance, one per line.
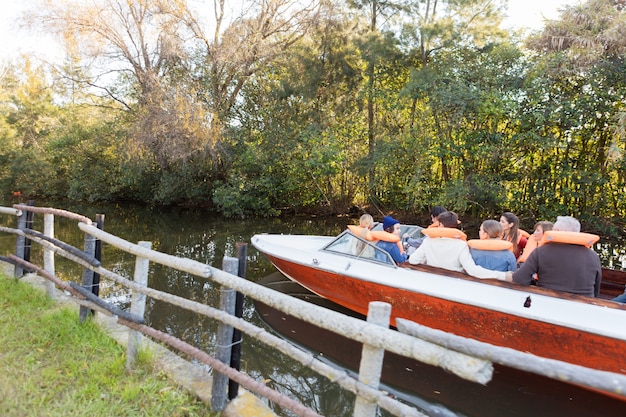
(200, 235)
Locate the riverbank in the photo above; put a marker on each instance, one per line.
(52, 362)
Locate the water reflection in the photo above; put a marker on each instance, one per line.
(289, 378)
(207, 238)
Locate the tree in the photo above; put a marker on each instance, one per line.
(376, 47)
(128, 51)
(586, 33)
(176, 75)
(581, 63)
(301, 126)
(463, 141)
(240, 45)
(439, 25)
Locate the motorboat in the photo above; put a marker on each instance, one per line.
(352, 272)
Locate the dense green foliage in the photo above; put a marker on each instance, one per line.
(386, 104)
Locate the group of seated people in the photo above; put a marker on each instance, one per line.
(556, 256)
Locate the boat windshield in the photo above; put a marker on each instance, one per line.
(353, 246)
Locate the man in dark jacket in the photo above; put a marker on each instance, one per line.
(565, 267)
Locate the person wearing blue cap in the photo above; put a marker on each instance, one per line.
(392, 226)
(389, 222)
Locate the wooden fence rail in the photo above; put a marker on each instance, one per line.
(378, 337)
(465, 360)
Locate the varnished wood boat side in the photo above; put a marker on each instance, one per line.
(480, 323)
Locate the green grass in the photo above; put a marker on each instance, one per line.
(53, 365)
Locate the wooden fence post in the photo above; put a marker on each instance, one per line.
(48, 255)
(235, 353)
(137, 306)
(224, 338)
(20, 241)
(98, 255)
(371, 365)
(87, 281)
(30, 216)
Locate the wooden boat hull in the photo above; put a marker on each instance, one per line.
(512, 392)
(583, 331)
(480, 323)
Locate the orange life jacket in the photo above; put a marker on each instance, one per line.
(362, 232)
(387, 237)
(574, 238)
(531, 245)
(489, 244)
(448, 232)
(375, 235)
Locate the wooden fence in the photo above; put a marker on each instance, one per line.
(467, 359)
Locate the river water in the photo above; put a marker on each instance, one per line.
(203, 236)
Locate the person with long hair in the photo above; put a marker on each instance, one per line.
(492, 254)
(512, 232)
